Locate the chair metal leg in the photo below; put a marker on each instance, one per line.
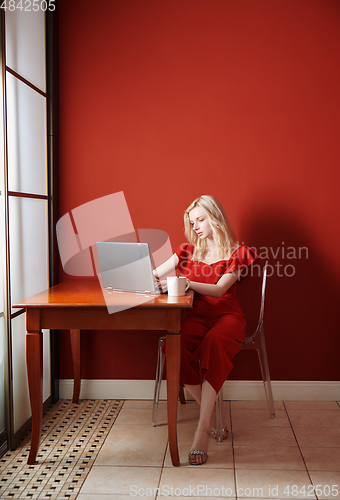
(262, 354)
(158, 381)
(219, 416)
(181, 396)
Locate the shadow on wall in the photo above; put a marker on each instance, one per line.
(301, 321)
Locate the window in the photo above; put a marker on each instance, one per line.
(24, 206)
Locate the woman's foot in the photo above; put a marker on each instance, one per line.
(224, 433)
(198, 454)
(214, 429)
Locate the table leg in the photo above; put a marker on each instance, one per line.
(76, 358)
(173, 347)
(34, 358)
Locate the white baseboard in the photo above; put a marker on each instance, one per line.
(242, 390)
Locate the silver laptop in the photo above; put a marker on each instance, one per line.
(126, 267)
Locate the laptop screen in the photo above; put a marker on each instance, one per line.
(126, 266)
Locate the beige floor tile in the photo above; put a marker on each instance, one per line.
(192, 416)
(322, 458)
(219, 456)
(327, 484)
(133, 404)
(133, 455)
(142, 434)
(185, 413)
(311, 405)
(255, 405)
(189, 405)
(188, 416)
(141, 416)
(121, 480)
(272, 484)
(161, 420)
(259, 418)
(318, 437)
(315, 418)
(268, 457)
(91, 496)
(131, 445)
(203, 482)
(186, 432)
(263, 436)
(226, 419)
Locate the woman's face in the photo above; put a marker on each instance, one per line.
(200, 223)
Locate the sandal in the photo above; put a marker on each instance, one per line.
(194, 453)
(224, 431)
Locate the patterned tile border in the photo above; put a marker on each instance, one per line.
(72, 435)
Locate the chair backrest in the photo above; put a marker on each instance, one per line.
(251, 291)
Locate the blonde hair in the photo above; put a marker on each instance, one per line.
(222, 232)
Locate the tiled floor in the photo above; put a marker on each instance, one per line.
(72, 435)
(297, 455)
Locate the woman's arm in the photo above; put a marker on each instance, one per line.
(218, 289)
(167, 267)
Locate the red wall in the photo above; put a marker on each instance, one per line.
(167, 100)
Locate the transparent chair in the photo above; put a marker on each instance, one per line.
(251, 294)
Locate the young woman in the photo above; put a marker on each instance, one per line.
(213, 331)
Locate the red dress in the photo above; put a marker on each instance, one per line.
(214, 329)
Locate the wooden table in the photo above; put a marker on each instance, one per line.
(80, 305)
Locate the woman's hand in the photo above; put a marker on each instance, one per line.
(161, 285)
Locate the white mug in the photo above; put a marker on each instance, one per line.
(177, 285)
